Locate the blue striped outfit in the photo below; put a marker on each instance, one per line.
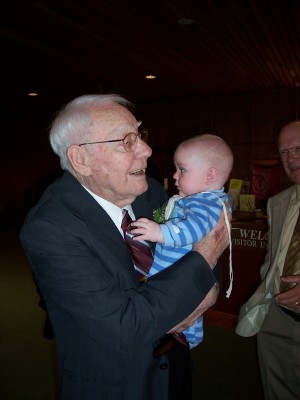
(192, 218)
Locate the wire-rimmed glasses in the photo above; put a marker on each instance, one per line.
(129, 140)
(292, 152)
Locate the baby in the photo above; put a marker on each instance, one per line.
(203, 164)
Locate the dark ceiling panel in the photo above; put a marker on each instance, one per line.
(64, 48)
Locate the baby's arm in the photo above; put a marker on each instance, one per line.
(145, 229)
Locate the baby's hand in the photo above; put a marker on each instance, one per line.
(145, 229)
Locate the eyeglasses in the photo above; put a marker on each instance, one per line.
(129, 140)
(292, 151)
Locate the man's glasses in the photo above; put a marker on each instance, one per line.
(292, 152)
(129, 140)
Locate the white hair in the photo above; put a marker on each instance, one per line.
(72, 123)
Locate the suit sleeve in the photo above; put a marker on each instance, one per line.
(90, 285)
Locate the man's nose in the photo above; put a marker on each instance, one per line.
(143, 148)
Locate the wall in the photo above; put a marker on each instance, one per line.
(248, 121)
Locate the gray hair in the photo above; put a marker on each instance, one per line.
(72, 123)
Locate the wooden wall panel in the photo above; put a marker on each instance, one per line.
(242, 161)
(171, 121)
(249, 121)
(271, 109)
(231, 116)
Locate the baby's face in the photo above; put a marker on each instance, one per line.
(191, 175)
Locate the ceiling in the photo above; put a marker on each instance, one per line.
(64, 48)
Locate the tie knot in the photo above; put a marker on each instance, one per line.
(126, 220)
(141, 253)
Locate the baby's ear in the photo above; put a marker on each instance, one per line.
(212, 175)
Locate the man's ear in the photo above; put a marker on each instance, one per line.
(212, 175)
(79, 159)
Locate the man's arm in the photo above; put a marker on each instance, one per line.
(211, 247)
(208, 302)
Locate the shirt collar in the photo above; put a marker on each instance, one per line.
(112, 210)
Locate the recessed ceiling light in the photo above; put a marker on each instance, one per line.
(185, 21)
(150, 77)
(32, 94)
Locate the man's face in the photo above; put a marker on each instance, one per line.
(115, 174)
(289, 140)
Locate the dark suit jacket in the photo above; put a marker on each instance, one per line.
(106, 323)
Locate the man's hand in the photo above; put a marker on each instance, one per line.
(212, 246)
(290, 298)
(208, 302)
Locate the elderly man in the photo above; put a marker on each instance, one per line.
(274, 309)
(107, 323)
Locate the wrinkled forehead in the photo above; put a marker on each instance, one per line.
(290, 134)
(110, 119)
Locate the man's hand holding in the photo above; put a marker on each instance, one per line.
(212, 246)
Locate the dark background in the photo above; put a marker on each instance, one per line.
(235, 72)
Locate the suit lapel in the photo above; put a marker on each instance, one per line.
(100, 225)
(279, 215)
(85, 207)
(143, 208)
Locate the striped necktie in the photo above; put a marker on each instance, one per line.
(142, 258)
(140, 251)
(292, 259)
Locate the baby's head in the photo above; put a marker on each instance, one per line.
(203, 163)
